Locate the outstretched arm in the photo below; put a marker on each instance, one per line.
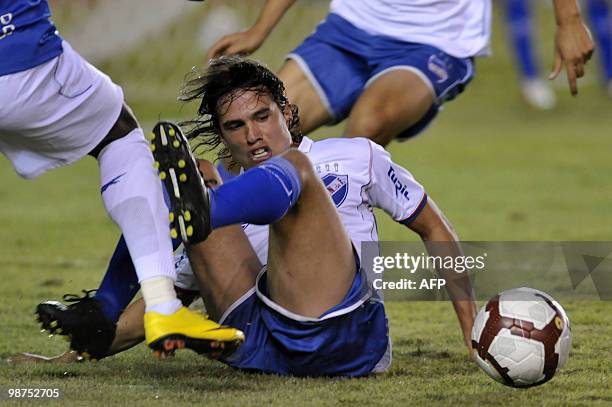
(573, 43)
(247, 42)
(441, 240)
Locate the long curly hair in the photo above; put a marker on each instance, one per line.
(223, 81)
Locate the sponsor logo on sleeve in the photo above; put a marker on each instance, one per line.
(400, 188)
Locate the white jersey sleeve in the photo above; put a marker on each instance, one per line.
(394, 189)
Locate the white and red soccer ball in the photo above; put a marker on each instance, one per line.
(521, 337)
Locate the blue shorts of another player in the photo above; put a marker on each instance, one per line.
(341, 60)
(351, 339)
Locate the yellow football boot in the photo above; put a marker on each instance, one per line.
(189, 329)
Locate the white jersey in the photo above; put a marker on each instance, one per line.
(460, 28)
(359, 175)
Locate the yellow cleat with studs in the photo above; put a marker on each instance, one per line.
(189, 329)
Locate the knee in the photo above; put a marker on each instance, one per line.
(126, 122)
(302, 164)
(127, 117)
(369, 125)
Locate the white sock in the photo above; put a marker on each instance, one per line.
(133, 198)
(159, 295)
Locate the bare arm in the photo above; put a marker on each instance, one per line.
(434, 228)
(247, 42)
(573, 43)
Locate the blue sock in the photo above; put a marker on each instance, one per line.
(601, 24)
(519, 24)
(120, 282)
(261, 195)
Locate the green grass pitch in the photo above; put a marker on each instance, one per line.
(499, 171)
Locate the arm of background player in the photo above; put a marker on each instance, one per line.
(573, 43)
(247, 42)
(433, 228)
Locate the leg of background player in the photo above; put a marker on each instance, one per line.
(407, 99)
(300, 92)
(520, 30)
(536, 91)
(120, 282)
(133, 197)
(599, 14)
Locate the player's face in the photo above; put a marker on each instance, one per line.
(253, 128)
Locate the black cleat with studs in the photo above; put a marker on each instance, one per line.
(83, 323)
(190, 215)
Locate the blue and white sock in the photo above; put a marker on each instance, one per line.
(261, 195)
(120, 282)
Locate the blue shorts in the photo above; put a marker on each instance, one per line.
(350, 339)
(341, 60)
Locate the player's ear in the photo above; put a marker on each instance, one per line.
(288, 114)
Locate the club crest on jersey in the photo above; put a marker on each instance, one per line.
(337, 186)
(400, 188)
(439, 67)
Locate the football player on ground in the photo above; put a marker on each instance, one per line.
(55, 108)
(388, 66)
(311, 310)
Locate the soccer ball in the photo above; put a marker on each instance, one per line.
(521, 337)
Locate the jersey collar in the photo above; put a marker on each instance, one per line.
(305, 145)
